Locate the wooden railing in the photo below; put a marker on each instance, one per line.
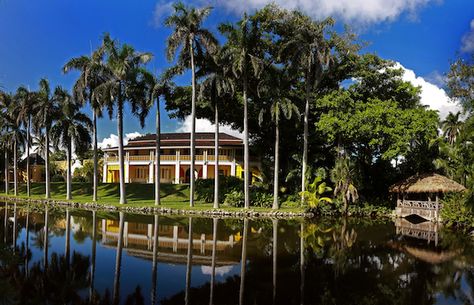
(169, 158)
(419, 204)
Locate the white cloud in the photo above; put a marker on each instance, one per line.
(468, 40)
(161, 11)
(204, 125)
(112, 140)
(220, 271)
(431, 95)
(357, 11)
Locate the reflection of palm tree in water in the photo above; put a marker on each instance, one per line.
(343, 240)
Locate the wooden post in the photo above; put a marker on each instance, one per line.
(437, 207)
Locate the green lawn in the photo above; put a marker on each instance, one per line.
(138, 195)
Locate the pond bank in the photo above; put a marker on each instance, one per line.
(150, 210)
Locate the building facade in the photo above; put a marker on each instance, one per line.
(175, 160)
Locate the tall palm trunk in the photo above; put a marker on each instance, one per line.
(14, 232)
(213, 263)
(123, 199)
(189, 264)
(302, 264)
(193, 126)
(118, 260)
(96, 162)
(5, 224)
(157, 155)
(28, 127)
(243, 262)
(27, 240)
(7, 174)
(68, 173)
(216, 159)
(46, 164)
(305, 141)
(246, 145)
(277, 166)
(15, 166)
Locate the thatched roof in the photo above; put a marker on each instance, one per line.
(427, 183)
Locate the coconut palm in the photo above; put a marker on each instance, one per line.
(452, 126)
(15, 136)
(309, 52)
(122, 82)
(91, 69)
(242, 41)
(24, 109)
(47, 109)
(5, 102)
(70, 129)
(277, 88)
(156, 88)
(189, 38)
(216, 84)
(39, 142)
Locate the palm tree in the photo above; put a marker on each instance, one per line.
(217, 83)
(5, 102)
(47, 109)
(39, 141)
(278, 88)
(451, 127)
(122, 82)
(91, 68)
(156, 88)
(241, 46)
(15, 136)
(309, 52)
(190, 38)
(71, 128)
(25, 107)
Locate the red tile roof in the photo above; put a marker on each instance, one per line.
(183, 140)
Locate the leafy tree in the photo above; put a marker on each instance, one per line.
(189, 39)
(460, 83)
(71, 128)
(123, 81)
(313, 196)
(342, 177)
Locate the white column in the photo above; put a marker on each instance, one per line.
(127, 167)
(233, 165)
(125, 234)
(204, 170)
(176, 171)
(151, 172)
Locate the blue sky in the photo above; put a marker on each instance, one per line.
(38, 37)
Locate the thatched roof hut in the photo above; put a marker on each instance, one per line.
(427, 183)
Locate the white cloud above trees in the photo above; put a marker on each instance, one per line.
(467, 41)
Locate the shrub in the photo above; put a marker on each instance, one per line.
(234, 199)
(57, 178)
(205, 188)
(456, 211)
(261, 199)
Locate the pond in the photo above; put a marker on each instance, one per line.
(67, 256)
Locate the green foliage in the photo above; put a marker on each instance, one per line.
(456, 211)
(342, 177)
(205, 188)
(234, 199)
(258, 198)
(313, 195)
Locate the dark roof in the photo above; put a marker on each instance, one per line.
(35, 159)
(183, 139)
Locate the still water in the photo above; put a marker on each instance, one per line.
(59, 256)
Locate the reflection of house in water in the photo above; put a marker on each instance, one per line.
(172, 243)
(425, 230)
(428, 231)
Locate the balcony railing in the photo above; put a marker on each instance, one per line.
(149, 158)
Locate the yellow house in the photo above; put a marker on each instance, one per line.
(175, 160)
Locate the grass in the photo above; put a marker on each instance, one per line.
(175, 196)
